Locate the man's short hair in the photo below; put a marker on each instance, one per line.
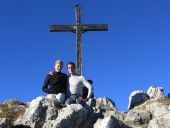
(72, 63)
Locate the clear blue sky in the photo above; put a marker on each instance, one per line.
(132, 55)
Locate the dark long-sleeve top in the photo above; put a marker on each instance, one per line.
(85, 93)
(55, 83)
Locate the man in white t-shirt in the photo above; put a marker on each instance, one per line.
(75, 85)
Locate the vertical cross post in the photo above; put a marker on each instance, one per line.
(78, 40)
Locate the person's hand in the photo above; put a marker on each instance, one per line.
(82, 99)
(50, 73)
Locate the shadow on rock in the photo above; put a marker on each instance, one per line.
(20, 126)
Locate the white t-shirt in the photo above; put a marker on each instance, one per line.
(75, 85)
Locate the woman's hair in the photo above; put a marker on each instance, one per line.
(59, 62)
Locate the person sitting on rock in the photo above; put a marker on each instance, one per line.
(57, 83)
(75, 85)
(85, 90)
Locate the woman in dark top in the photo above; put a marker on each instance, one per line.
(55, 85)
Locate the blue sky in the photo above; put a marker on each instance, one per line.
(132, 55)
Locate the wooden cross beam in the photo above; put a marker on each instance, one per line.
(78, 29)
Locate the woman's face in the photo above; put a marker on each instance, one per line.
(58, 67)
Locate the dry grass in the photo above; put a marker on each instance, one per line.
(13, 102)
(165, 101)
(11, 114)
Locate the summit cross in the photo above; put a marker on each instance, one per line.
(78, 29)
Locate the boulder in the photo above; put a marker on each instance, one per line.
(155, 92)
(136, 98)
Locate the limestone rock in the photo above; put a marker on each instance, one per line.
(66, 117)
(107, 122)
(96, 113)
(136, 98)
(155, 92)
(5, 123)
(34, 114)
(138, 118)
(160, 122)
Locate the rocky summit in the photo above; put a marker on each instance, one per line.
(149, 109)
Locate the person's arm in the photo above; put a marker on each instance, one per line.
(45, 85)
(46, 82)
(65, 84)
(50, 73)
(89, 86)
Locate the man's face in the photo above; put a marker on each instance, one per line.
(71, 69)
(58, 67)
